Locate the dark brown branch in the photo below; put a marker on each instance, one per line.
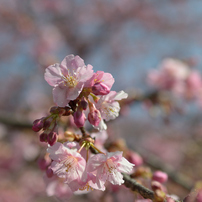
(135, 186)
(83, 131)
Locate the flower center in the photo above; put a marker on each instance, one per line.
(70, 81)
(70, 162)
(109, 166)
(86, 187)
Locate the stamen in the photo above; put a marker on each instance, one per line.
(69, 80)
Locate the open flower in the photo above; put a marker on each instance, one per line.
(67, 78)
(67, 163)
(109, 107)
(109, 167)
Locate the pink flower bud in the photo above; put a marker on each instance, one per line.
(100, 89)
(94, 117)
(79, 118)
(134, 158)
(38, 124)
(43, 137)
(52, 138)
(160, 176)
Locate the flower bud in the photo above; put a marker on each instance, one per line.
(52, 138)
(100, 89)
(79, 118)
(160, 176)
(134, 158)
(43, 137)
(94, 117)
(38, 124)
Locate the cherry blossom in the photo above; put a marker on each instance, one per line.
(67, 78)
(67, 163)
(109, 167)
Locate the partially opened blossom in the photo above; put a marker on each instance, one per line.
(109, 167)
(67, 163)
(100, 82)
(108, 105)
(68, 78)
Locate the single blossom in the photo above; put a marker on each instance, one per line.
(109, 167)
(68, 78)
(109, 107)
(67, 162)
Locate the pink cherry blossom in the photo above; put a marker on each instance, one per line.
(109, 167)
(67, 163)
(68, 78)
(109, 107)
(170, 75)
(101, 77)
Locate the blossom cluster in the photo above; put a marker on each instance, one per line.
(178, 77)
(76, 161)
(73, 81)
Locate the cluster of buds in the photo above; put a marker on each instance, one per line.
(48, 124)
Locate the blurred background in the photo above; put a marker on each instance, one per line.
(126, 38)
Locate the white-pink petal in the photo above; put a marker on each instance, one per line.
(53, 74)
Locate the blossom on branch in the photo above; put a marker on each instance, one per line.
(68, 78)
(67, 163)
(109, 167)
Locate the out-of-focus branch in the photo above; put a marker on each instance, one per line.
(135, 186)
(14, 120)
(154, 162)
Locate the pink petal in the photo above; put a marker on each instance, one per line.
(60, 96)
(53, 74)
